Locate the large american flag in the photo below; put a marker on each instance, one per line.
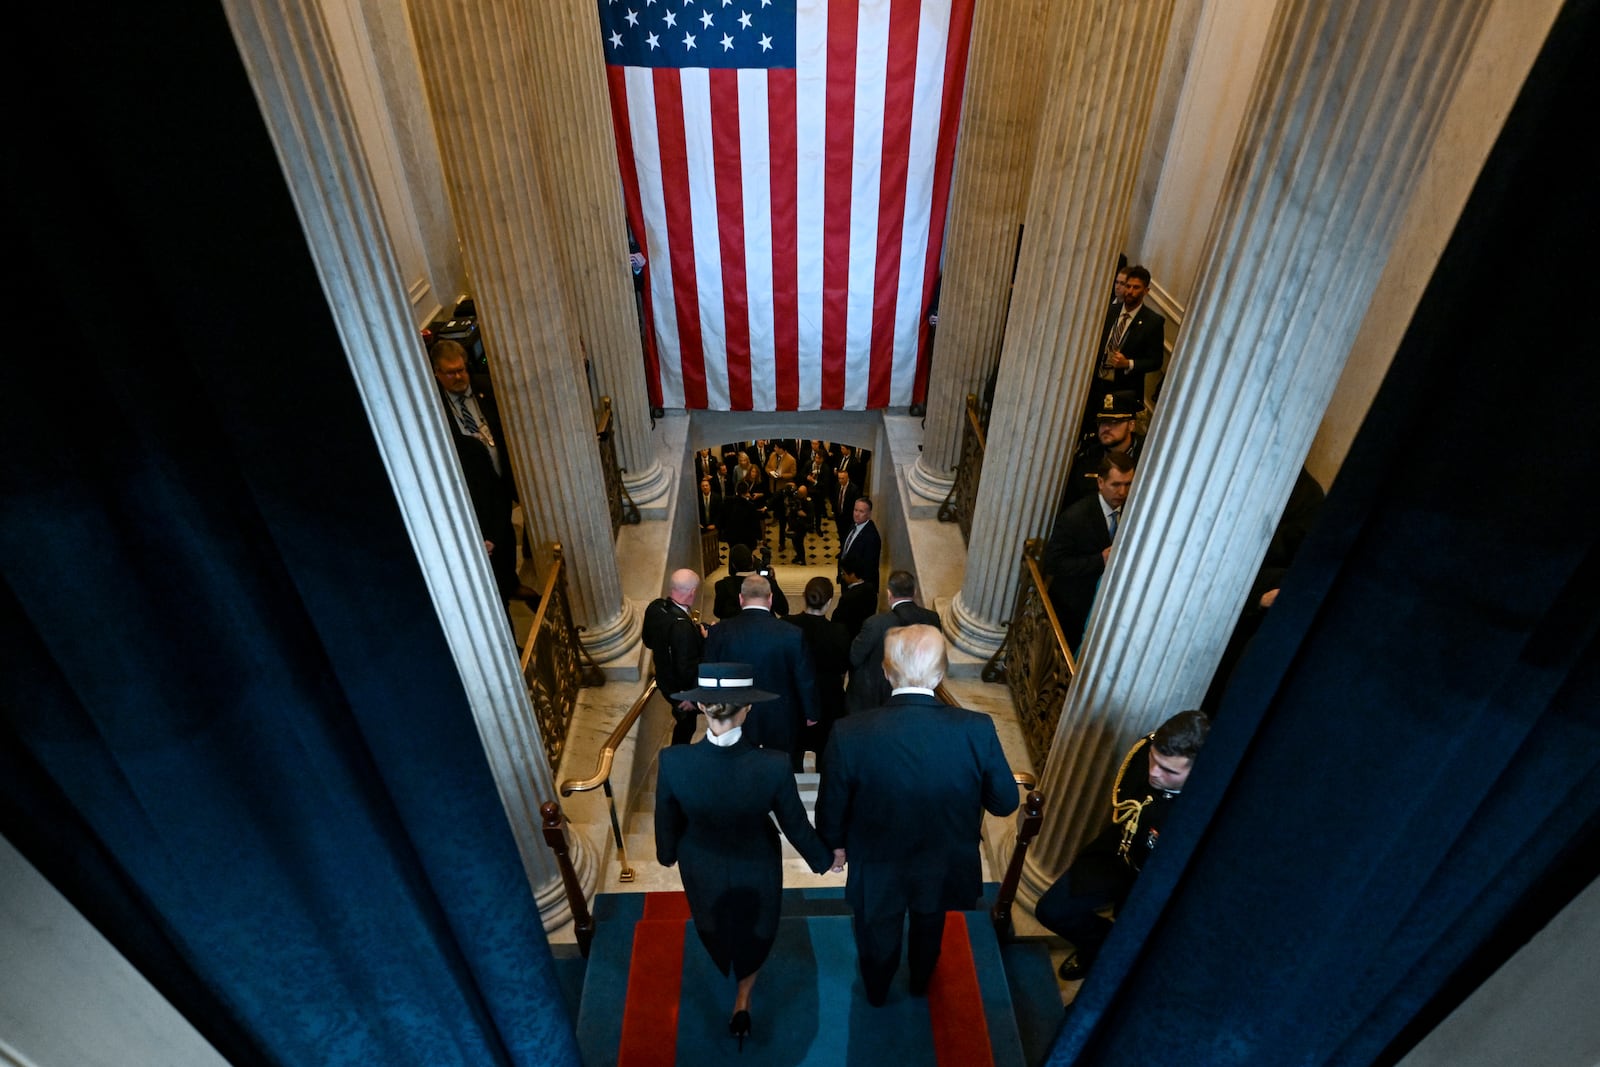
(786, 167)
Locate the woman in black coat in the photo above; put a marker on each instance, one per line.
(713, 801)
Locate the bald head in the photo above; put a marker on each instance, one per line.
(756, 591)
(683, 585)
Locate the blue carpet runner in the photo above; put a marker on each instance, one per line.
(807, 1007)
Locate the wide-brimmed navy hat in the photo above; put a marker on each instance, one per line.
(726, 683)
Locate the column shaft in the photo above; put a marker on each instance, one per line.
(291, 65)
(477, 63)
(573, 141)
(1342, 116)
(1091, 131)
(999, 118)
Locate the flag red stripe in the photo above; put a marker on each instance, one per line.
(839, 152)
(680, 233)
(781, 137)
(730, 234)
(955, 77)
(898, 96)
(616, 81)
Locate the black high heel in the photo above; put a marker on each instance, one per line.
(739, 1027)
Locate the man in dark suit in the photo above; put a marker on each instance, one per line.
(480, 447)
(1079, 546)
(843, 497)
(675, 637)
(904, 789)
(860, 547)
(782, 666)
(858, 600)
(709, 505)
(1132, 345)
(817, 477)
(868, 687)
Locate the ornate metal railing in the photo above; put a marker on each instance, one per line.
(957, 507)
(555, 665)
(601, 776)
(1034, 660)
(623, 509)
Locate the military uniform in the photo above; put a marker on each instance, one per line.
(1104, 871)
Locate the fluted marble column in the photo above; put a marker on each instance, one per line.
(999, 119)
(1342, 116)
(573, 141)
(285, 48)
(1106, 57)
(478, 63)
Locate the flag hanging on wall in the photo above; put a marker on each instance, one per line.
(786, 167)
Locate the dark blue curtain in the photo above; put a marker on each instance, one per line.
(1404, 779)
(230, 728)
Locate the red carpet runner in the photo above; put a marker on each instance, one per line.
(955, 1003)
(655, 977)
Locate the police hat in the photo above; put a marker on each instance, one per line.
(1123, 405)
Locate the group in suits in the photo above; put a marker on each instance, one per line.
(868, 686)
(828, 641)
(904, 788)
(715, 802)
(781, 663)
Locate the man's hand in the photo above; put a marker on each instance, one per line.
(686, 705)
(838, 861)
(1269, 598)
(1105, 554)
(488, 546)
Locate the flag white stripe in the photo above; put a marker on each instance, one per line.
(872, 50)
(652, 199)
(811, 127)
(698, 147)
(932, 42)
(755, 159)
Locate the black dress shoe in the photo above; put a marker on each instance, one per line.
(1072, 969)
(739, 1027)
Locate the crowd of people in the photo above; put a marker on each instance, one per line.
(793, 485)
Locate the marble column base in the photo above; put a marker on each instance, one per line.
(926, 489)
(971, 634)
(551, 897)
(651, 490)
(1035, 879)
(617, 645)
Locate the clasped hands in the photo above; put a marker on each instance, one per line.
(838, 861)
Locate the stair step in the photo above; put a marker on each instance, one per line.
(811, 993)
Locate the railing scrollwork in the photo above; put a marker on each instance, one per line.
(1034, 660)
(963, 498)
(555, 665)
(623, 510)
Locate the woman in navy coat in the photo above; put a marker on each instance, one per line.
(713, 801)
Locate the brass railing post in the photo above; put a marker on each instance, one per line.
(555, 836)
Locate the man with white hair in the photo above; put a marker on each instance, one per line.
(904, 789)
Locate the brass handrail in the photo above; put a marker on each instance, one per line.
(602, 777)
(546, 598)
(622, 508)
(976, 422)
(608, 751)
(959, 503)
